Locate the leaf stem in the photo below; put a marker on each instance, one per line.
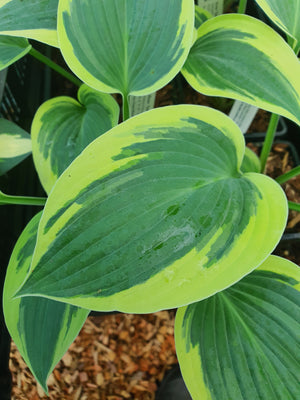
(268, 141)
(125, 107)
(22, 200)
(242, 7)
(294, 206)
(39, 56)
(288, 175)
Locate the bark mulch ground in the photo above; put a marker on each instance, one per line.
(117, 357)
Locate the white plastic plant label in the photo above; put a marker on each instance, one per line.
(215, 7)
(242, 114)
(139, 104)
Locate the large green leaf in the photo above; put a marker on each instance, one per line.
(285, 14)
(34, 19)
(15, 145)
(12, 49)
(42, 329)
(63, 127)
(132, 47)
(155, 214)
(242, 58)
(243, 343)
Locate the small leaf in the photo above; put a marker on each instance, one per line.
(42, 329)
(12, 49)
(33, 19)
(201, 16)
(243, 343)
(285, 14)
(15, 145)
(155, 214)
(242, 58)
(63, 127)
(251, 162)
(130, 47)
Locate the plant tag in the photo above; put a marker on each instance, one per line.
(215, 7)
(243, 114)
(139, 104)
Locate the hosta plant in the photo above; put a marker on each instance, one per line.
(167, 208)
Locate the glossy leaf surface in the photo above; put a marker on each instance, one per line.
(285, 14)
(42, 329)
(240, 57)
(63, 127)
(12, 49)
(15, 145)
(155, 214)
(243, 343)
(34, 19)
(131, 47)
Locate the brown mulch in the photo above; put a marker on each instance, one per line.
(117, 357)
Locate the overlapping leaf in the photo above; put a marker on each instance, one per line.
(63, 127)
(284, 13)
(42, 329)
(251, 162)
(243, 343)
(242, 58)
(15, 145)
(201, 16)
(155, 214)
(12, 49)
(34, 19)
(131, 47)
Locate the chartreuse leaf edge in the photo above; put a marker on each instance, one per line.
(62, 127)
(243, 343)
(31, 19)
(230, 58)
(284, 13)
(12, 49)
(42, 329)
(155, 214)
(145, 46)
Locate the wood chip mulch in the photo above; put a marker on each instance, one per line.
(121, 356)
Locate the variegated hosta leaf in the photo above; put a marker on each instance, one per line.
(42, 329)
(132, 47)
(34, 19)
(285, 14)
(251, 162)
(242, 58)
(15, 145)
(12, 49)
(201, 16)
(155, 214)
(243, 343)
(63, 127)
